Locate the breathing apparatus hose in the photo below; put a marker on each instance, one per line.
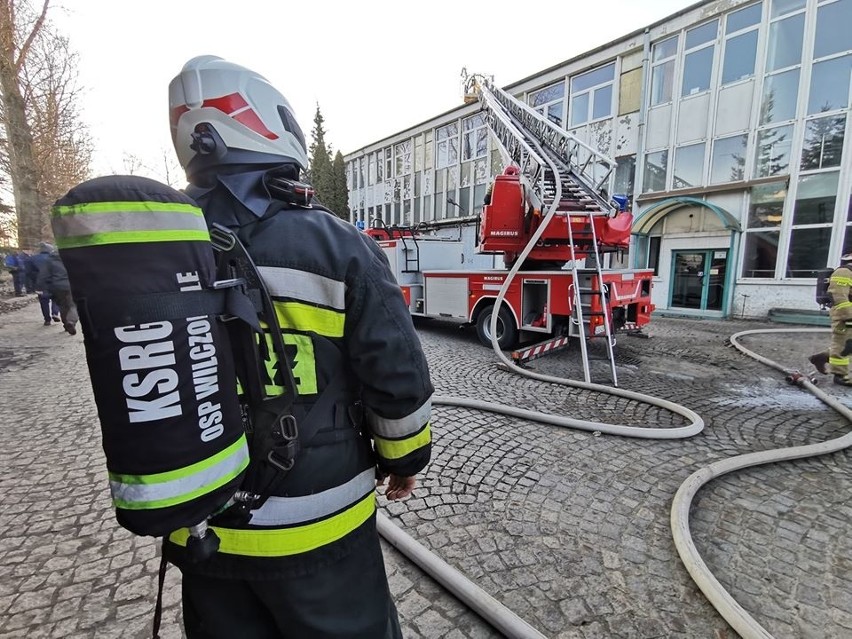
(721, 599)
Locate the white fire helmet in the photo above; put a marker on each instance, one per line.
(846, 258)
(223, 114)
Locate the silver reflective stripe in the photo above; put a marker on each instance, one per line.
(70, 225)
(284, 511)
(402, 427)
(175, 488)
(304, 286)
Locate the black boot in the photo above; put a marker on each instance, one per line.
(842, 380)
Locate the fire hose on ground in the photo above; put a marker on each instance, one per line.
(739, 619)
(498, 615)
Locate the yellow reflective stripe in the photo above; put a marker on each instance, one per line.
(281, 542)
(398, 448)
(310, 319)
(115, 207)
(838, 361)
(159, 490)
(131, 237)
(98, 223)
(843, 305)
(840, 280)
(304, 365)
(294, 511)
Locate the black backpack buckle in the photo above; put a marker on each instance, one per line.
(285, 447)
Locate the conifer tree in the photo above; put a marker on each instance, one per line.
(320, 171)
(341, 192)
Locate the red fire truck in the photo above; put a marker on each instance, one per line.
(548, 212)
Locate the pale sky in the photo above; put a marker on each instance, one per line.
(375, 67)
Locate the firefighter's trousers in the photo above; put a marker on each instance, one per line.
(838, 362)
(348, 599)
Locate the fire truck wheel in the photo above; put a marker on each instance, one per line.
(507, 332)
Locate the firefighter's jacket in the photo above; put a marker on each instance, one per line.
(840, 290)
(345, 324)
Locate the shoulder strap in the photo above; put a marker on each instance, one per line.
(235, 263)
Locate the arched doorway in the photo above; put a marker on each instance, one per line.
(692, 245)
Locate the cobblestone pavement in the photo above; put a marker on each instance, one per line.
(568, 529)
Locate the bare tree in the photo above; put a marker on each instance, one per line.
(46, 149)
(168, 172)
(62, 147)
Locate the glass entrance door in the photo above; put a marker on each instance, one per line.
(698, 279)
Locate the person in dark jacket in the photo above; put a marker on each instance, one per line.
(16, 265)
(53, 280)
(49, 308)
(306, 561)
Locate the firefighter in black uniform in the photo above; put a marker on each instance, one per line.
(306, 561)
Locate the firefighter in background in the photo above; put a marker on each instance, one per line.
(840, 291)
(306, 562)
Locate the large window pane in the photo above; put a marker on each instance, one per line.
(602, 107)
(785, 42)
(402, 152)
(740, 53)
(779, 97)
(447, 146)
(688, 166)
(808, 251)
(579, 109)
(766, 205)
(728, 163)
(656, 165)
(815, 199)
(654, 244)
(830, 85)
(665, 49)
(625, 173)
(823, 144)
(592, 78)
(700, 35)
(554, 113)
(551, 93)
(662, 81)
(760, 254)
(696, 71)
(833, 32)
(743, 18)
(781, 7)
(772, 156)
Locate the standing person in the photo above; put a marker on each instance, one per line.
(49, 309)
(840, 291)
(14, 262)
(53, 280)
(306, 562)
(29, 276)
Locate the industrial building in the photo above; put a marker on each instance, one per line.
(728, 122)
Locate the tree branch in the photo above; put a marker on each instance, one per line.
(28, 42)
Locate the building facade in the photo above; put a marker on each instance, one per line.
(729, 122)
